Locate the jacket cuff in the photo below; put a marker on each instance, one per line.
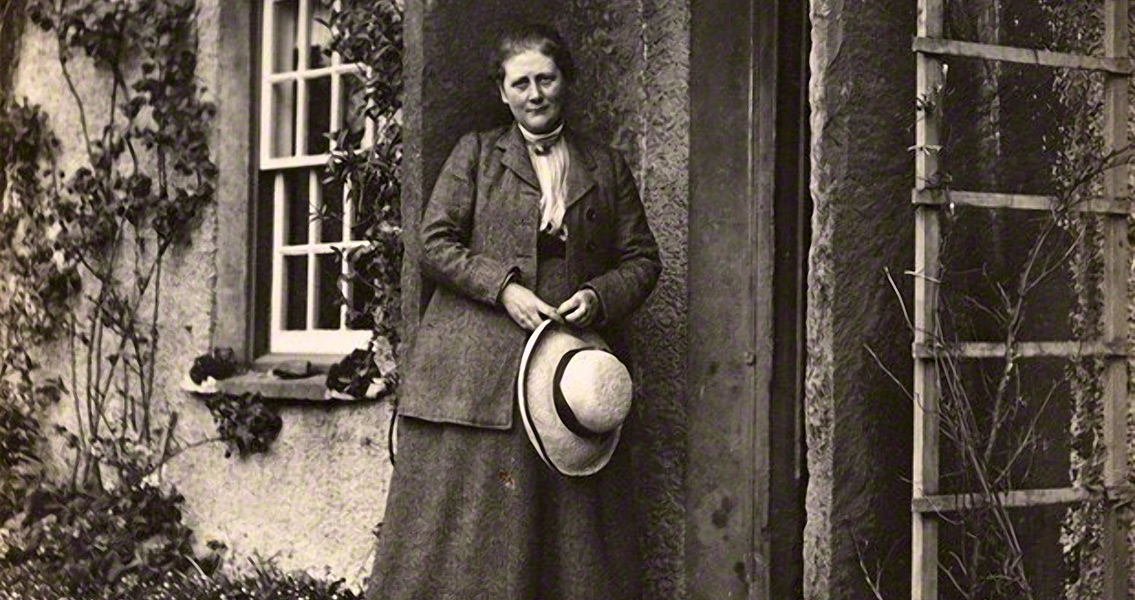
(508, 277)
(601, 316)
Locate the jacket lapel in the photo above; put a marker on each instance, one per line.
(516, 156)
(580, 177)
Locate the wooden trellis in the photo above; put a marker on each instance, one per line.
(928, 505)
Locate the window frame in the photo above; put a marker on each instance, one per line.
(271, 336)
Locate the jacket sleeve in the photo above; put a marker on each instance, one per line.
(625, 287)
(447, 225)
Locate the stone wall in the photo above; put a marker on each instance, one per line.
(862, 101)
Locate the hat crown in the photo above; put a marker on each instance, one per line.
(598, 388)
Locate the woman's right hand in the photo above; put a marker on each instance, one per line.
(526, 308)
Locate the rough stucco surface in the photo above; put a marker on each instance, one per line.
(665, 180)
(862, 100)
(313, 500)
(633, 60)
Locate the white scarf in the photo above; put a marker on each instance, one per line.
(551, 168)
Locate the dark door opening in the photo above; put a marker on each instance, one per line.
(792, 212)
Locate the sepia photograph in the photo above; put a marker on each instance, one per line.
(566, 300)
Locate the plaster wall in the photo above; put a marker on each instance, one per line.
(313, 500)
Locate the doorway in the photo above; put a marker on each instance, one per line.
(749, 236)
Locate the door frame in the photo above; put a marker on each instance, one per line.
(749, 232)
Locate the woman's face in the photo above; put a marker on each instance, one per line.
(534, 90)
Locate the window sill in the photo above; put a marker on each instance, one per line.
(320, 363)
(267, 385)
(304, 389)
(262, 382)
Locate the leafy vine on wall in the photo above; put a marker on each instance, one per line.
(369, 32)
(83, 252)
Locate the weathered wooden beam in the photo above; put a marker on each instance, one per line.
(948, 503)
(1061, 349)
(944, 197)
(953, 503)
(930, 82)
(1024, 56)
(1114, 538)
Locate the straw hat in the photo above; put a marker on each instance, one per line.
(574, 396)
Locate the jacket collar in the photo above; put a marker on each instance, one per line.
(580, 178)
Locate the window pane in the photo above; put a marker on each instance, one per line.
(283, 119)
(284, 17)
(328, 295)
(297, 206)
(331, 216)
(320, 46)
(318, 114)
(295, 293)
(352, 107)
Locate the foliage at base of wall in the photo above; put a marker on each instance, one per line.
(264, 581)
(245, 424)
(122, 541)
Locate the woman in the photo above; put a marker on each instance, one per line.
(527, 222)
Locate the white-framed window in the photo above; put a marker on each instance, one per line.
(305, 94)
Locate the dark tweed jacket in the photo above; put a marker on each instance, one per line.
(481, 223)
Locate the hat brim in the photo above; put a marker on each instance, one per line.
(561, 449)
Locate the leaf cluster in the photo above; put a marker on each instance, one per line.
(246, 424)
(91, 539)
(37, 251)
(369, 33)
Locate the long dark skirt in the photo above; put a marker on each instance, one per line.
(474, 513)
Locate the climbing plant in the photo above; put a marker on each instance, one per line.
(369, 33)
(85, 235)
(107, 226)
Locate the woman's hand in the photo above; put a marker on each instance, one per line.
(526, 308)
(581, 309)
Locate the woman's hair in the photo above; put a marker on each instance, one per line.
(541, 38)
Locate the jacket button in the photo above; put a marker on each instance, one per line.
(591, 214)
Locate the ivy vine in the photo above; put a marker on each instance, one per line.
(369, 32)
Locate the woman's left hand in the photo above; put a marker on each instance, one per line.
(581, 309)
